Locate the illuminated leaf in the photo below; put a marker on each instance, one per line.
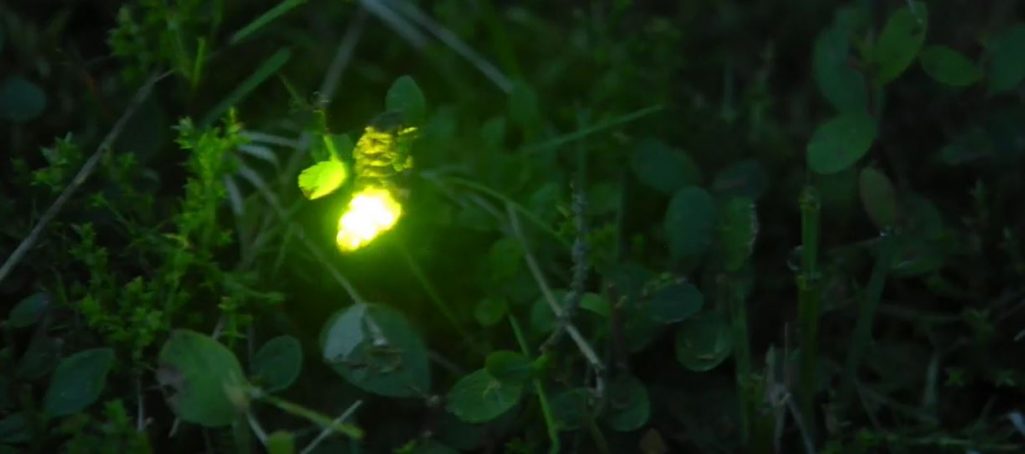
(1007, 59)
(480, 397)
(202, 373)
(405, 96)
(840, 142)
(949, 66)
(878, 197)
(322, 178)
(78, 381)
(898, 44)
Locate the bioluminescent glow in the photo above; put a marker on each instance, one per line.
(371, 211)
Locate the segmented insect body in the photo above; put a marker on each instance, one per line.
(382, 153)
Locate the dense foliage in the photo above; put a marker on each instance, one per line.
(609, 226)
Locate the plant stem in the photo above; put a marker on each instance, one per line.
(741, 351)
(313, 416)
(809, 304)
(873, 293)
(542, 398)
(434, 297)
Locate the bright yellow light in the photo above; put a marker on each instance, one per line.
(371, 212)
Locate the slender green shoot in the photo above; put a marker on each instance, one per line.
(584, 132)
(809, 304)
(546, 409)
(873, 293)
(266, 18)
(435, 297)
(269, 67)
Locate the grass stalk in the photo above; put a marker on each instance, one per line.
(809, 304)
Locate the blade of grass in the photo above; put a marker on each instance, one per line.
(264, 19)
(584, 132)
(435, 297)
(266, 69)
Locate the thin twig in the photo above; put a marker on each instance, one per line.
(535, 270)
(257, 428)
(327, 430)
(83, 174)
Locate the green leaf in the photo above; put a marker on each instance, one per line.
(841, 84)
(628, 406)
(78, 381)
(901, 39)
(840, 142)
(490, 311)
(676, 302)
(569, 408)
(41, 356)
(690, 223)
(662, 168)
(738, 230)
(281, 442)
(28, 311)
(1007, 59)
(405, 96)
(20, 99)
(322, 178)
(703, 341)
(509, 367)
(479, 397)
(596, 303)
(878, 197)
(948, 66)
(504, 260)
(277, 364)
(203, 375)
(374, 348)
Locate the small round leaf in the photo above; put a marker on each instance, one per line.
(203, 373)
(948, 66)
(840, 142)
(690, 223)
(375, 348)
(1007, 63)
(738, 230)
(703, 341)
(662, 168)
(899, 42)
(507, 366)
(277, 363)
(628, 406)
(20, 99)
(28, 311)
(405, 96)
(479, 397)
(878, 197)
(676, 302)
